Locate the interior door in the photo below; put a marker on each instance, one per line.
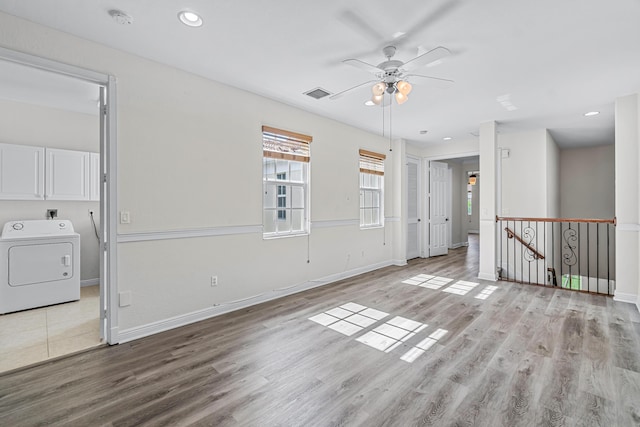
(413, 211)
(438, 220)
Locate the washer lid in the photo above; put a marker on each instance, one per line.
(37, 228)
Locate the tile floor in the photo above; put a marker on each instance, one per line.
(31, 336)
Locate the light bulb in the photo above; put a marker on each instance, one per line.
(404, 87)
(401, 98)
(376, 99)
(378, 88)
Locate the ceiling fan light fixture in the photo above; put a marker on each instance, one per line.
(401, 98)
(378, 89)
(190, 18)
(404, 87)
(377, 99)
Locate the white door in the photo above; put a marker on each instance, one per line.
(438, 219)
(413, 211)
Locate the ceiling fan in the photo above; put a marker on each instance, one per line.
(393, 76)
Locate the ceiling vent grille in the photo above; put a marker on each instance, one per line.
(317, 93)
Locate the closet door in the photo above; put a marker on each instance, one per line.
(21, 172)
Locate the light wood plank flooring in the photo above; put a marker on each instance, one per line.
(522, 356)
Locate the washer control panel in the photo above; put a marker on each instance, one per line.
(36, 228)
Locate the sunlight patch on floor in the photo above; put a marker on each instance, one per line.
(424, 345)
(461, 287)
(349, 318)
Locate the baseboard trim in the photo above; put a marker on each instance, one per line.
(399, 262)
(473, 231)
(89, 282)
(209, 312)
(623, 297)
(488, 276)
(458, 245)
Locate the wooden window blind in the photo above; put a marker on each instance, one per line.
(282, 144)
(371, 162)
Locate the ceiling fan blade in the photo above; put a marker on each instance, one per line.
(447, 7)
(426, 58)
(339, 94)
(351, 19)
(363, 66)
(434, 81)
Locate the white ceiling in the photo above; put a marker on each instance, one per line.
(555, 60)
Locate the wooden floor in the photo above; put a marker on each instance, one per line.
(524, 356)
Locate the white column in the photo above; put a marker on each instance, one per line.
(627, 158)
(399, 202)
(488, 154)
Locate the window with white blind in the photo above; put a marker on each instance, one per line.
(371, 189)
(285, 179)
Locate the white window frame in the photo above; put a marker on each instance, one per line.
(276, 180)
(371, 165)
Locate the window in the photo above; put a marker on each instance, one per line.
(371, 185)
(285, 179)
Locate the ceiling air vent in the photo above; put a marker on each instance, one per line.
(317, 93)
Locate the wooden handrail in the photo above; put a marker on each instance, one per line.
(511, 234)
(586, 220)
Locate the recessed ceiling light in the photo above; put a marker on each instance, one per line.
(447, 138)
(369, 103)
(592, 113)
(190, 18)
(422, 132)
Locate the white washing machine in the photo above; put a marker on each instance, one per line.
(39, 264)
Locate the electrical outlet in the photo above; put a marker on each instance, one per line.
(214, 280)
(125, 217)
(52, 213)
(90, 211)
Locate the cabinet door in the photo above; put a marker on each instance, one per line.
(67, 175)
(21, 172)
(94, 176)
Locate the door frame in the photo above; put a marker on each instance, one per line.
(420, 213)
(427, 180)
(108, 196)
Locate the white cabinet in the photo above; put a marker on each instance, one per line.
(94, 177)
(21, 172)
(38, 173)
(67, 175)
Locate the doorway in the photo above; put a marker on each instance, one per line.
(456, 210)
(63, 109)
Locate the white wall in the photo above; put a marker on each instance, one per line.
(627, 200)
(552, 175)
(27, 124)
(524, 190)
(587, 182)
(189, 158)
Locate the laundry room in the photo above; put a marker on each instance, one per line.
(49, 171)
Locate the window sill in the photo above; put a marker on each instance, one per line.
(283, 236)
(371, 227)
